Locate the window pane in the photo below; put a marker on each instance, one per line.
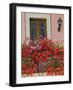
(43, 28)
(33, 26)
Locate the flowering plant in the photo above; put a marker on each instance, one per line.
(43, 50)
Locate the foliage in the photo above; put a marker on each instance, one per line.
(43, 50)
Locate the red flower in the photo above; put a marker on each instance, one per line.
(31, 71)
(56, 50)
(49, 70)
(41, 52)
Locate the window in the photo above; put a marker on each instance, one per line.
(37, 28)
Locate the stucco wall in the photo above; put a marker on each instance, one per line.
(55, 35)
(23, 27)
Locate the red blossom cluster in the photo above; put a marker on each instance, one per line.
(43, 51)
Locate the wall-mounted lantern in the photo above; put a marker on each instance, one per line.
(59, 24)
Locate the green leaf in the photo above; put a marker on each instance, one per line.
(51, 58)
(55, 64)
(29, 58)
